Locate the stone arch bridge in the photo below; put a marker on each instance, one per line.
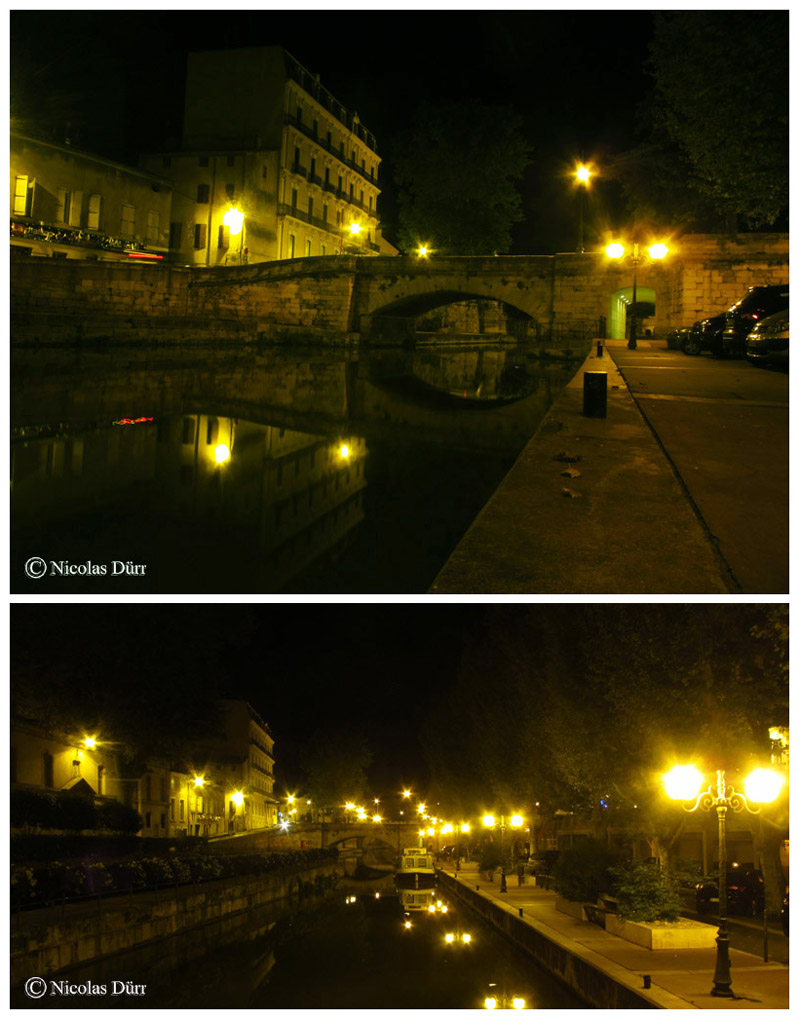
(382, 297)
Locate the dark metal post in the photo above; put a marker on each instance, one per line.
(502, 858)
(632, 341)
(581, 190)
(722, 972)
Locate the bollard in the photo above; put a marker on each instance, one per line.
(594, 394)
(599, 348)
(647, 980)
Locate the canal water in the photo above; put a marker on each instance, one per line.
(273, 471)
(356, 948)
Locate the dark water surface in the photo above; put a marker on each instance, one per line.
(273, 471)
(350, 950)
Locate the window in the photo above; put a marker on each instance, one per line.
(327, 176)
(175, 232)
(128, 220)
(230, 190)
(153, 226)
(310, 209)
(294, 199)
(312, 171)
(188, 431)
(200, 235)
(339, 186)
(370, 203)
(224, 239)
(181, 810)
(62, 209)
(93, 218)
(291, 246)
(361, 197)
(299, 114)
(21, 196)
(163, 820)
(47, 762)
(172, 808)
(328, 140)
(323, 250)
(212, 431)
(296, 156)
(351, 192)
(202, 193)
(308, 248)
(147, 819)
(324, 214)
(315, 128)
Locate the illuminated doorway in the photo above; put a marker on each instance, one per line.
(619, 309)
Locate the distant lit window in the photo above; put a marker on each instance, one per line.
(153, 226)
(21, 196)
(93, 217)
(63, 204)
(128, 227)
(202, 193)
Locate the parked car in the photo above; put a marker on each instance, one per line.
(757, 304)
(768, 342)
(705, 335)
(785, 914)
(676, 338)
(745, 891)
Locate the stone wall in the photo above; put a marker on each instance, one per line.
(44, 942)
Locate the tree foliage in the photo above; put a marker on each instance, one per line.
(335, 762)
(457, 170)
(719, 118)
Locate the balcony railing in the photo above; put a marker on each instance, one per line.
(74, 236)
(323, 144)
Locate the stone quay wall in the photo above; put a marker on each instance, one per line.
(591, 984)
(46, 941)
(345, 299)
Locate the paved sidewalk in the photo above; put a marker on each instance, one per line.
(680, 979)
(591, 506)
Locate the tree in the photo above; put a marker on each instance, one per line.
(721, 99)
(335, 762)
(457, 170)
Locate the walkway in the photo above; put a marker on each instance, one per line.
(680, 979)
(604, 505)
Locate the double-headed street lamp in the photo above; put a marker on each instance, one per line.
(515, 821)
(617, 251)
(762, 786)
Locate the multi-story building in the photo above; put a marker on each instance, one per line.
(70, 204)
(244, 757)
(263, 138)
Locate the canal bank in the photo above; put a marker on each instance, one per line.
(591, 506)
(48, 941)
(605, 970)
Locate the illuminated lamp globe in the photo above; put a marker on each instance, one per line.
(657, 251)
(488, 821)
(515, 821)
(222, 453)
(615, 250)
(233, 220)
(762, 786)
(683, 782)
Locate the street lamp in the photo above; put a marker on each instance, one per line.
(234, 221)
(683, 782)
(515, 821)
(582, 175)
(655, 252)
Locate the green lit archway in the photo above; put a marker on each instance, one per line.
(620, 302)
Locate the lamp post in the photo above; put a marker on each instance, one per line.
(762, 786)
(582, 175)
(515, 821)
(616, 251)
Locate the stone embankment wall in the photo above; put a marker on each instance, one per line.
(591, 984)
(46, 941)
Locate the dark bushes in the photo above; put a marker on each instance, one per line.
(583, 871)
(47, 809)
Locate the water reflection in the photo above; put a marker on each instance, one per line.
(260, 472)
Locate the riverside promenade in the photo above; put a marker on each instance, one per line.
(658, 497)
(679, 978)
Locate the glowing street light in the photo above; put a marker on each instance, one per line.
(199, 781)
(222, 453)
(762, 786)
(656, 252)
(234, 220)
(90, 743)
(582, 175)
(237, 798)
(515, 821)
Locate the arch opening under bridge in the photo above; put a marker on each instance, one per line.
(619, 308)
(468, 312)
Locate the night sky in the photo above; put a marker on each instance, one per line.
(576, 78)
(367, 669)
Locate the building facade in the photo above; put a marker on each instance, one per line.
(262, 136)
(69, 204)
